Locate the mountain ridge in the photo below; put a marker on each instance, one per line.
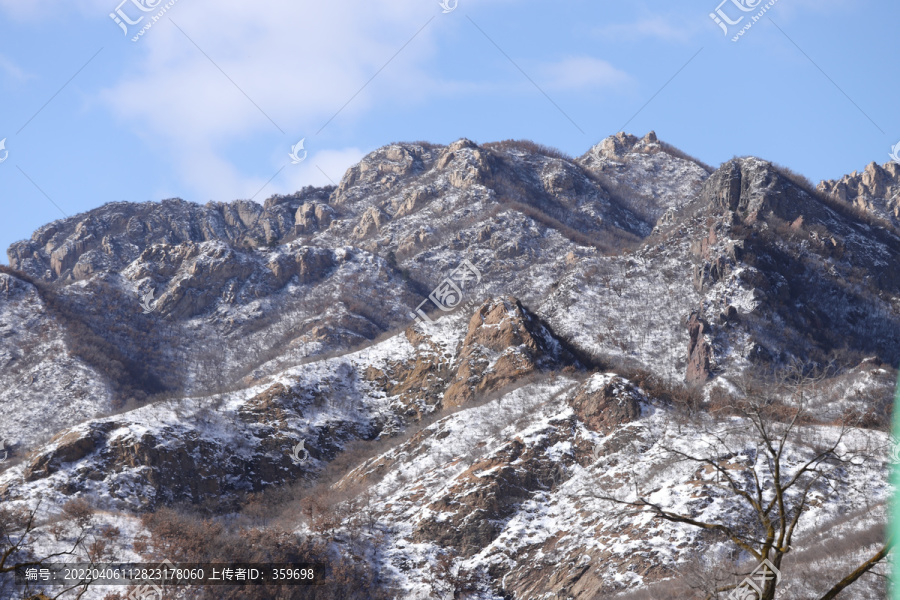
(172, 354)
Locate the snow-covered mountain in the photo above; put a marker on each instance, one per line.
(605, 317)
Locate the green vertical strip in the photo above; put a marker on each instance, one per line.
(894, 525)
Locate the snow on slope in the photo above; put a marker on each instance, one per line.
(562, 531)
(43, 388)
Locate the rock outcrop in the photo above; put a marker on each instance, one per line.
(111, 237)
(876, 190)
(605, 402)
(699, 355)
(504, 344)
(238, 348)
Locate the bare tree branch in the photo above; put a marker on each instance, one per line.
(859, 572)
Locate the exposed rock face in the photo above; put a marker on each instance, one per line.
(68, 448)
(467, 163)
(371, 222)
(205, 270)
(143, 467)
(478, 505)
(618, 146)
(699, 352)
(876, 190)
(110, 237)
(723, 188)
(752, 189)
(419, 384)
(263, 326)
(504, 343)
(312, 217)
(606, 402)
(381, 170)
(629, 166)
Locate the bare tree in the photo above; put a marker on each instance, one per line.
(748, 458)
(19, 527)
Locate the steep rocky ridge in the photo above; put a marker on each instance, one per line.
(225, 335)
(247, 289)
(646, 174)
(876, 190)
(221, 446)
(111, 237)
(773, 270)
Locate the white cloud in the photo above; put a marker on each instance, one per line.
(685, 27)
(211, 176)
(51, 9)
(296, 63)
(664, 28)
(581, 72)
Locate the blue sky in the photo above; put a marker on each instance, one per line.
(207, 104)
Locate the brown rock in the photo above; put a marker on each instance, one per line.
(465, 162)
(604, 402)
(875, 190)
(312, 216)
(413, 201)
(617, 146)
(372, 221)
(699, 351)
(418, 384)
(68, 448)
(480, 498)
(723, 188)
(308, 264)
(242, 213)
(503, 326)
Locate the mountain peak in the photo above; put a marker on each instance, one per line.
(617, 147)
(589, 321)
(876, 190)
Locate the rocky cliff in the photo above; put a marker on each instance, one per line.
(613, 310)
